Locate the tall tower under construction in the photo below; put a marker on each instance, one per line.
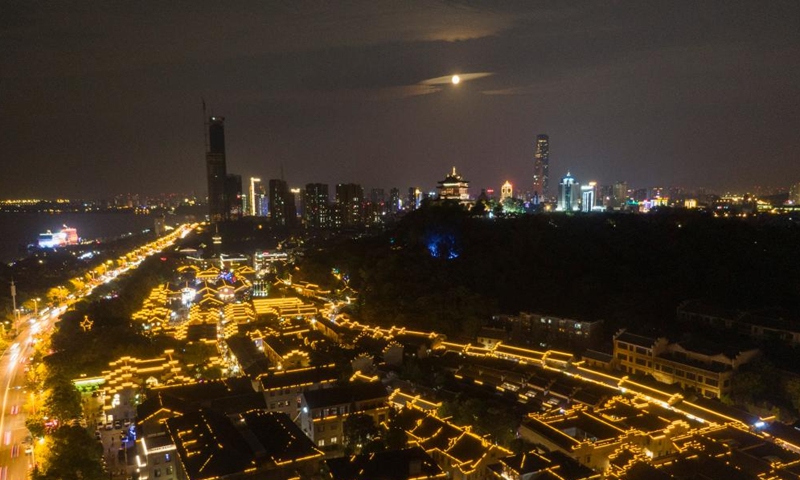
(541, 167)
(216, 170)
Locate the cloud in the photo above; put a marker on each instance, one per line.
(464, 77)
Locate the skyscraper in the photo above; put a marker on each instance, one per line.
(282, 209)
(541, 167)
(794, 194)
(216, 170)
(620, 195)
(252, 197)
(349, 205)
(316, 212)
(569, 194)
(278, 190)
(589, 197)
(395, 203)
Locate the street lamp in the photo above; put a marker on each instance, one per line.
(36, 306)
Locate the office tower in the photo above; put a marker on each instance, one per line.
(506, 191)
(349, 205)
(606, 197)
(395, 204)
(233, 197)
(541, 167)
(794, 194)
(589, 197)
(568, 194)
(290, 209)
(620, 194)
(279, 202)
(295, 208)
(316, 212)
(377, 195)
(251, 197)
(262, 200)
(413, 199)
(216, 170)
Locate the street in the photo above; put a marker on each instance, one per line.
(16, 450)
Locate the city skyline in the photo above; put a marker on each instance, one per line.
(650, 93)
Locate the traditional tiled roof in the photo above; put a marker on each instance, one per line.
(282, 441)
(299, 377)
(209, 446)
(638, 340)
(407, 464)
(354, 392)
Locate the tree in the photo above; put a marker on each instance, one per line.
(74, 455)
(63, 400)
(358, 429)
(792, 388)
(396, 438)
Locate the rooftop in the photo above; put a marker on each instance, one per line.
(404, 464)
(355, 392)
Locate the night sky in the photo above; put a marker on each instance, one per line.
(98, 98)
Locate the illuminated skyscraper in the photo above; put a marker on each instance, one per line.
(395, 203)
(252, 197)
(282, 210)
(316, 211)
(569, 194)
(541, 167)
(589, 197)
(794, 194)
(216, 170)
(349, 205)
(620, 195)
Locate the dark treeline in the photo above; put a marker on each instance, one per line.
(443, 269)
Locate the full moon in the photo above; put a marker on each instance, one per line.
(456, 79)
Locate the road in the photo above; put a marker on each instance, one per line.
(16, 452)
(17, 457)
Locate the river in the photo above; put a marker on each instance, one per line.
(20, 229)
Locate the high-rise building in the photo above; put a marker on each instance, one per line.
(541, 167)
(590, 197)
(395, 203)
(297, 197)
(794, 194)
(569, 191)
(377, 195)
(414, 198)
(506, 191)
(282, 210)
(316, 211)
(620, 194)
(262, 200)
(252, 199)
(233, 196)
(277, 201)
(349, 205)
(216, 170)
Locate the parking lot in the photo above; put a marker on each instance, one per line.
(116, 431)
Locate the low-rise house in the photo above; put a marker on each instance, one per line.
(703, 367)
(324, 411)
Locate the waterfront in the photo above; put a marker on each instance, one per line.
(20, 229)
